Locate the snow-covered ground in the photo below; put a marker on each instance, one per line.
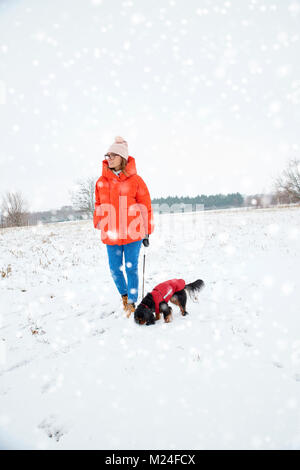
(76, 373)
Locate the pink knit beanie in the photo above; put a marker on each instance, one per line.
(120, 147)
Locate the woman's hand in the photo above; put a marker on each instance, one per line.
(146, 240)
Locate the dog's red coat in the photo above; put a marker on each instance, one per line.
(165, 290)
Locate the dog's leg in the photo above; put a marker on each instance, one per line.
(166, 310)
(168, 316)
(182, 302)
(180, 299)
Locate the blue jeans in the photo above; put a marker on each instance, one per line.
(115, 257)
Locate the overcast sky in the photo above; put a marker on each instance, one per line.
(206, 93)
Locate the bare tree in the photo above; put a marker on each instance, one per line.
(83, 197)
(14, 209)
(287, 186)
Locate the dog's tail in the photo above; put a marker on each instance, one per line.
(193, 289)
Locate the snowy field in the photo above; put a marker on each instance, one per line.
(76, 373)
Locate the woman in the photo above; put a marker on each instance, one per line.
(124, 215)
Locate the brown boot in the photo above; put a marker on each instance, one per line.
(130, 309)
(125, 299)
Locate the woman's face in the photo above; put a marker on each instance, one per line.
(114, 161)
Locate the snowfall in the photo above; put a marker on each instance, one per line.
(75, 373)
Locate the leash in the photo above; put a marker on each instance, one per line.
(144, 258)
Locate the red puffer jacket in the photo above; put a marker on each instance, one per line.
(123, 210)
(165, 290)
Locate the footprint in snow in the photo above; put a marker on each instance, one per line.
(17, 366)
(278, 364)
(48, 387)
(98, 332)
(105, 315)
(52, 430)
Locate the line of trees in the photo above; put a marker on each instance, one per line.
(209, 202)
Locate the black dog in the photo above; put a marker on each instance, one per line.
(156, 301)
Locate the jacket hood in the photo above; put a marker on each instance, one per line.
(130, 170)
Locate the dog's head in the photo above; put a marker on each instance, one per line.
(143, 314)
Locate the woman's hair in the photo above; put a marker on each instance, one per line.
(123, 166)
